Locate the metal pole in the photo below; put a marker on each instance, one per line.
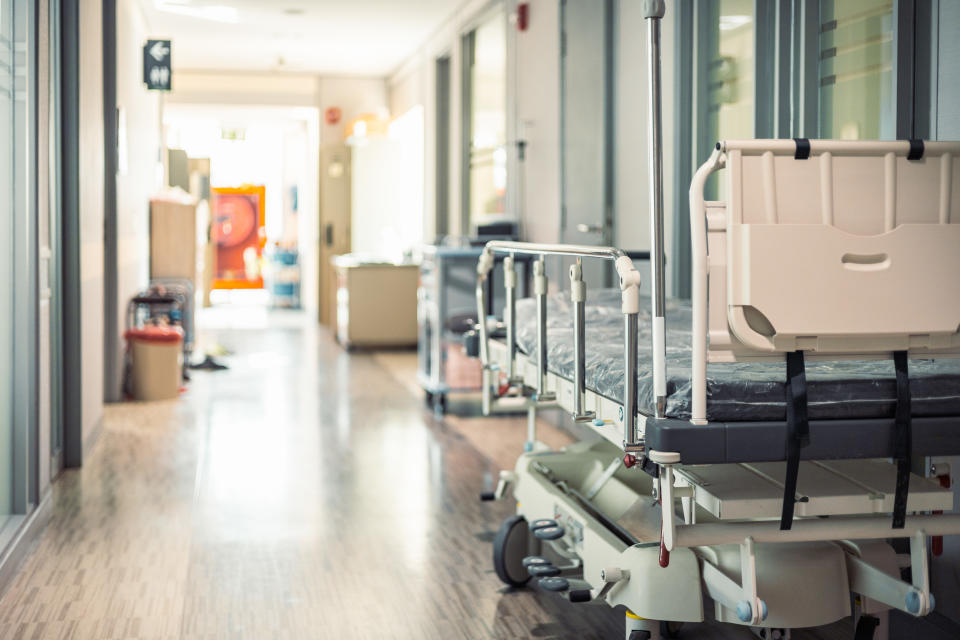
(630, 436)
(510, 283)
(540, 284)
(578, 295)
(653, 13)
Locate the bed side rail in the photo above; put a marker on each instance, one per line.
(629, 279)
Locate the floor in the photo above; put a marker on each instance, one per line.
(303, 493)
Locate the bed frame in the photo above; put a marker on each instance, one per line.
(798, 262)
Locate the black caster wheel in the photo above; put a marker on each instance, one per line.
(440, 403)
(510, 547)
(866, 628)
(670, 629)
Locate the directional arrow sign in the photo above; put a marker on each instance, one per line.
(160, 50)
(157, 72)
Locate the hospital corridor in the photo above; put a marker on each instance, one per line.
(479, 319)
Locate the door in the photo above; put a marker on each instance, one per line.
(335, 209)
(586, 153)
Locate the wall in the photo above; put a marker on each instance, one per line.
(536, 65)
(91, 216)
(139, 172)
(534, 115)
(414, 82)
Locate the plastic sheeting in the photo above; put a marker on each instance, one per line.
(737, 391)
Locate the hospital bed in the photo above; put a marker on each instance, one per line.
(760, 444)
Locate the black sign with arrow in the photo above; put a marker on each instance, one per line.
(156, 65)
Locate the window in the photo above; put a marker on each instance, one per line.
(726, 66)
(485, 56)
(856, 69)
(848, 69)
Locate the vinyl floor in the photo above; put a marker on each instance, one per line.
(303, 493)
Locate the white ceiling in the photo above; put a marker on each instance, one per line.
(348, 37)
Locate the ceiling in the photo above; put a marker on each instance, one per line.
(344, 37)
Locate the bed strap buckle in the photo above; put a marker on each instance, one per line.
(798, 432)
(903, 439)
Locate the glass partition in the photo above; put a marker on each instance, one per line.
(856, 69)
(726, 69)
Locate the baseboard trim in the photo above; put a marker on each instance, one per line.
(92, 438)
(23, 543)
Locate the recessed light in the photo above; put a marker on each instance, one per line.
(293, 11)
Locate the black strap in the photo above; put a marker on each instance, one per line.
(916, 150)
(903, 439)
(798, 432)
(803, 148)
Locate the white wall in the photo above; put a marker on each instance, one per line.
(534, 115)
(139, 171)
(414, 82)
(536, 63)
(91, 216)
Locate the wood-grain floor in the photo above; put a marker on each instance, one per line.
(305, 493)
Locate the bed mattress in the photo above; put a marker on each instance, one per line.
(738, 391)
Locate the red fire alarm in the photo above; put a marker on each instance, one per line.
(332, 115)
(523, 16)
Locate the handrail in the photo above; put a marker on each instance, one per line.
(698, 242)
(630, 306)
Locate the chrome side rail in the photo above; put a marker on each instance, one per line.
(630, 305)
(578, 295)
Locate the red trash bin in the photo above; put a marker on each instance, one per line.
(156, 353)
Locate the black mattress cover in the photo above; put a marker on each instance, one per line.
(736, 391)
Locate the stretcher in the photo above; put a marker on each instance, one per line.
(821, 252)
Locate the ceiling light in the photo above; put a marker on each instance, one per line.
(293, 11)
(728, 23)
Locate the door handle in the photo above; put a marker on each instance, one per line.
(590, 228)
(328, 234)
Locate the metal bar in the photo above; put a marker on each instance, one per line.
(654, 13)
(578, 295)
(535, 248)
(630, 436)
(540, 284)
(482, 321)
(510, 314)
(813, 529)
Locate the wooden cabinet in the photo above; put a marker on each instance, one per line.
(173, 240)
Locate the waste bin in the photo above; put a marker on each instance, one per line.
(156, 354)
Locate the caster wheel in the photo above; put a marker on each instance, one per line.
(510, 547)
(440, 403)
(866, 628)
(669, 629)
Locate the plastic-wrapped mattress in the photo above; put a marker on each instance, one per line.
(737, 391)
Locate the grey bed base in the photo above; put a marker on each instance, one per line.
(732, 442)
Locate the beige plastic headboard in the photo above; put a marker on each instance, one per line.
(854, 250)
